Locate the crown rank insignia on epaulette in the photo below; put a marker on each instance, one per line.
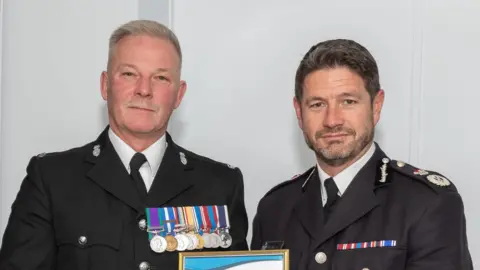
(438, 180)
(420, 172)
(431, 177)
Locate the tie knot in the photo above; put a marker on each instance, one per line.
(137, 161)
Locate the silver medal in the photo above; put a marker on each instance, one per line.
(226, 239)
(196, 242)
(193, 241)
(216, 240)
(207, 240)
(158, 244)
(182, 242)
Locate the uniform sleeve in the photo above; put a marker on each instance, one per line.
(28, 241)
(238, 215)
(439, 240)
(256, 234)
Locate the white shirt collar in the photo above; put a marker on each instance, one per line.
(345, 177)
(154, 153)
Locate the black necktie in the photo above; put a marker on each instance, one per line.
(137, 161)
(332, 194)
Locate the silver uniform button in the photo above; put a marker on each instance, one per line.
(142, 224)
(144, 266)
(82, 240)
(320, 257)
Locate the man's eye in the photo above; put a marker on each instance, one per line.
(349, 101)
(128, 74)
(317, 105)
(161, 78)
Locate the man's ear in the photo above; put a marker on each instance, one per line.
(181, 93)
(298, 111)
(104, 85)
(378, 105)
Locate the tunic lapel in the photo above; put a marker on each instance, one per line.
(173, 177)
(110, 174)
(357, 201)
(309, 208)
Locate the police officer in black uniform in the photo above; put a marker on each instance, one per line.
(86, 208)
(357, 208)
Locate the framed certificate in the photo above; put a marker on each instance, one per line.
(235, 260)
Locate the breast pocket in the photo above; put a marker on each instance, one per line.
(385, 258)
(87, 246)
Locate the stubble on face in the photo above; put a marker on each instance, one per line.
(336, 115)
(338, 152)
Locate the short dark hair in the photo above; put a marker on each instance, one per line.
(339, 53)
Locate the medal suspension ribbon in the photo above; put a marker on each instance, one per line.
(198, 219)
(154, 222)
(223, 217)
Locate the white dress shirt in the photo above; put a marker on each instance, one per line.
(345, 177)
(154, 154)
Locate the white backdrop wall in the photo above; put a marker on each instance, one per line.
(1, 43)
(53, 54)
(239, 62)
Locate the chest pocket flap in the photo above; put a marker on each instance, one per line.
(105, 233)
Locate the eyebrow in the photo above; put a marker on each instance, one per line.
(314, 98)
(134, 67)
(350, 94)
(343, 94)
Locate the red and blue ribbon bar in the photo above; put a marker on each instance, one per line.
(371, 244)
(213, 218)
(199, 220)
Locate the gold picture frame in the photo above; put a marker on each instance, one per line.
(249, 259)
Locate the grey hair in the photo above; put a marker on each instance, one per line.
(143, 27)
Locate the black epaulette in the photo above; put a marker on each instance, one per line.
(435, 180)
(204, 158)
(293, 180)
(48, 154)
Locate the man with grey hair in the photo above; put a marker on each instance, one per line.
(133, 198)
(357, 208)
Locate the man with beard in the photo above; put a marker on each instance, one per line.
(133, 198)
(357, 208)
